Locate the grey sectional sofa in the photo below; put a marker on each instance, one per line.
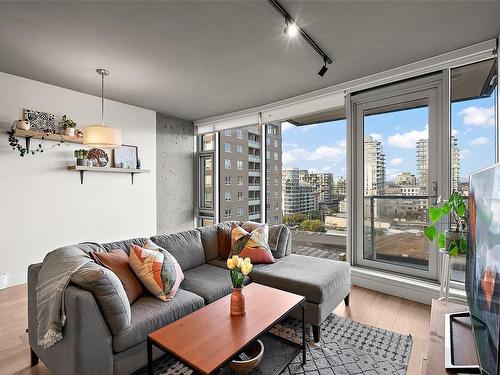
(88, 345)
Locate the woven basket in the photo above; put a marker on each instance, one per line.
(255, 351)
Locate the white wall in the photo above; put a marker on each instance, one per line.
(43, 205)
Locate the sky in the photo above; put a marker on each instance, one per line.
(322, 147)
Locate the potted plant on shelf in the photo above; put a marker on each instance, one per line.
(451, 242)
(68, 125)
(239, 268)
(81, 157)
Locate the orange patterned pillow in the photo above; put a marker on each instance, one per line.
(256, 248)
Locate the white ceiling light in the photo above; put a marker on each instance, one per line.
(102, 136)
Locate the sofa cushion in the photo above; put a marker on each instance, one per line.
(185, 246)
(117, 261)
(150, 314)
(109, 294)
(256, 247)
(209, 241)
(124, 245)
(209, 282)
(280, 240)
(224, 241)
(315, 278)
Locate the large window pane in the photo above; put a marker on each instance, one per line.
(473, 146)
(312, 168)
(396, 165)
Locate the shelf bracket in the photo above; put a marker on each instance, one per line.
(81, 177)
(28, 142)
(132, 175)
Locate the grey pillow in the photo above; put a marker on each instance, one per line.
(109, 293)
(185, 246)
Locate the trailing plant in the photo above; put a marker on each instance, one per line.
(16, 144)
(455, 208)
(66, 122)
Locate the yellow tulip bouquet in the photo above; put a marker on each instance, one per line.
(239, 268)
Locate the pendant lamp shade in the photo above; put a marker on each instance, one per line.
(102, 136)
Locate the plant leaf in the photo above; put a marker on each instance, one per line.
(446, 208)
(441, 240)
(430, 232)
(453, 249)
(435, 213)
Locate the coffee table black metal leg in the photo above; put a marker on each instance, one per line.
(303, 334)
(150, 357)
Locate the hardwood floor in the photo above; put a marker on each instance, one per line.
(367, 306)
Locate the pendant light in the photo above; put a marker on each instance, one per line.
(102, 136)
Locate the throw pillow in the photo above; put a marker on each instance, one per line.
(224, 240)
(156, 271)
(256, 248)
(179, 275)
(118, 262)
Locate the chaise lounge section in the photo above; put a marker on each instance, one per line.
(91, 345)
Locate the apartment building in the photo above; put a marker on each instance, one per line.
(323, 183)
(374, 165)
(297, 195)
(406, 179)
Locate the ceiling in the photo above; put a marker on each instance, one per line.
(194, 59)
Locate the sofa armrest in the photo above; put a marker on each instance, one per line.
(86, 347)
(283, 243)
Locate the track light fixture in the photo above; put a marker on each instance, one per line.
(292, 29)
(323, 69)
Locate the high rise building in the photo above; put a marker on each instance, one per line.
(297, 195)
(406, 179)
(273, 174)
(423, 163)
(374, 167)
(240, 166)
(323, 183)
(455, 164)
(339, 186)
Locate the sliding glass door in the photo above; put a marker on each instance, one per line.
(399, 168)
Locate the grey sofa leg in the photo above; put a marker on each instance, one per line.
(316, 332)
(33, 358)
(346, 300)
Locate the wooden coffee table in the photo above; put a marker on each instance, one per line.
(207, 339)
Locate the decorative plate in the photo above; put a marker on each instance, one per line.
(98, 157)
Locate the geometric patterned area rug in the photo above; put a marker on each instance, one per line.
(346, 348)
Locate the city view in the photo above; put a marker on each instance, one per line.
(305, 177)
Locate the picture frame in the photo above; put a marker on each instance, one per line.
(40, 121)
(126, 156)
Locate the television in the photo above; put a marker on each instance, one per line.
(482, 280)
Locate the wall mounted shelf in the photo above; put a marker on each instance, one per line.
(82, 170)
(29, 134)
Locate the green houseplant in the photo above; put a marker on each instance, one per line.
(451, 242)
(81, 157)
(68, 125)
(454, 241)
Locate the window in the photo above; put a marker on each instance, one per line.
(239, 165)
(227, 196)
(275, 144)
(275, 156)
(227, 132)
(240, 180)
(268, 155)
(227, 147)
(239, 149)
(473, 130)
(275, 167)
(276, 182)
(227, 163)
(239, 134)
(240, 211)
(240, 195)
(277, 206)
(227, 213)
(268, 141)
(227, 180)
(276, 194)
(206, 189)
(204, 221)
(207, 142)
